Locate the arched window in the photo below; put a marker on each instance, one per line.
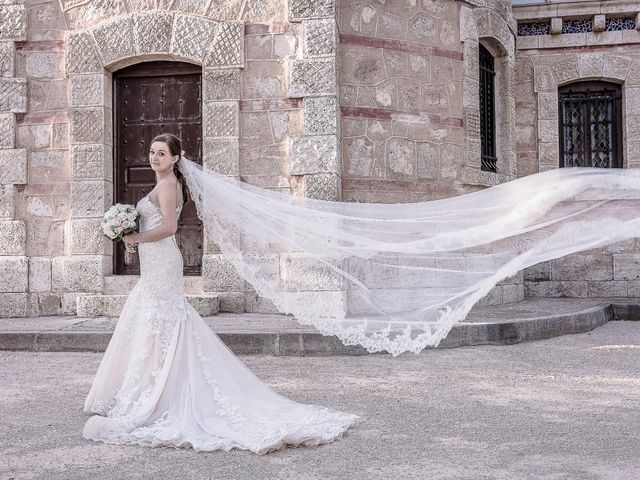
(590, 117)
(487, 111)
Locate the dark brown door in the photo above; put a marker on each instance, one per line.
(148, 99)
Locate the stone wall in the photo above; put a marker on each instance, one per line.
(261, 113)
(544, 63)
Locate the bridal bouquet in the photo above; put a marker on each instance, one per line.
(120, 220)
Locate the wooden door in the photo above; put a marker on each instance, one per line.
(148, 99)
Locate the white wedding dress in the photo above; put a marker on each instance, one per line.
(167, 380)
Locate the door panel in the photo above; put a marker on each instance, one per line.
(151, 98)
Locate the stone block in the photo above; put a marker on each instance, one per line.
(320, 115)
(565, 71)
(548, 105)
(192, 37)
(333, 301)
(152, 31)
(616, 288)
(301, 272)
(548, 131)
(590, 65)
(81, 55)
(400, 158)
(549, 153)
(306, 9)
(565, 289)
(39, 274)
(599, 23)
(222, 156)
(219, 275)
(13, 18)
(616, 66)
(221, 84)
(43, 303)
(512, 293)
(556, 25)
(7, 202)
(91, 162)
(625, 267)
(544, 81)
(114, 40)
(13, 305)
(319, 38)
(231, 302)
(13, 95)
(221, 119)
(90, 199)
(583, 267)
(33, 137)
(15, 273)
(538, 272)
(88, 90)
(7, 54)
(80, 273)
(48, 166)
(314, 154)
(7, 130)
(227, 49)
(13, 166)
(87, 237)
(13, 234)
(427, 160)
(312, 77)
(322, 186)
(87, 125)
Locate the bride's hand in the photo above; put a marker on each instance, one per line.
(130, 242)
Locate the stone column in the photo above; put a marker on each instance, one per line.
(221, 151)
(14, 280)
(316, 154)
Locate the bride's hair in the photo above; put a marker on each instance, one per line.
(175, 147)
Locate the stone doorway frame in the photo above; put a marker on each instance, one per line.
(91, 56)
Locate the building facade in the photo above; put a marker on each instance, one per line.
(366, 101)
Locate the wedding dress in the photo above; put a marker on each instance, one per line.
(167, 380)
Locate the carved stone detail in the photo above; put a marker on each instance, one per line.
(153, 31)
(192, 36)
(312, 77)
(87, 90)
(322, 186)
(91, 162)
(319, 38)
(228, 48)
(220, 119)
(88, 125)
(13, 19)
(320, 115)
(115, 40)
(7, 130)
(222, 156)
(221, 84)
(304, 9)
(81, 55)
(13, 166)
(7, 51)
(13, 95)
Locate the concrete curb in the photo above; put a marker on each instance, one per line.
(296, 343)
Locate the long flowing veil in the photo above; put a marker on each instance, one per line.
(396, 277)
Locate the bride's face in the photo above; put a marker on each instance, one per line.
(160, 157)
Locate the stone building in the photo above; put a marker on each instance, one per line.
(367, 101)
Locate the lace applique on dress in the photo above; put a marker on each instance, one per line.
(167, 379)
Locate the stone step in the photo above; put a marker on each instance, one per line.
(110, 305)
(122, 284)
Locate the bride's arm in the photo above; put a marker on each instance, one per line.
(168, 204)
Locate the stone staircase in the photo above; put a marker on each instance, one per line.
(117, 288)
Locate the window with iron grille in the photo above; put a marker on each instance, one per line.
(487, 111)
(590, 117)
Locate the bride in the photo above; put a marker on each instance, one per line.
(166, 379)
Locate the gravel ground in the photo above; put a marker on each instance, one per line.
(564, 408)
